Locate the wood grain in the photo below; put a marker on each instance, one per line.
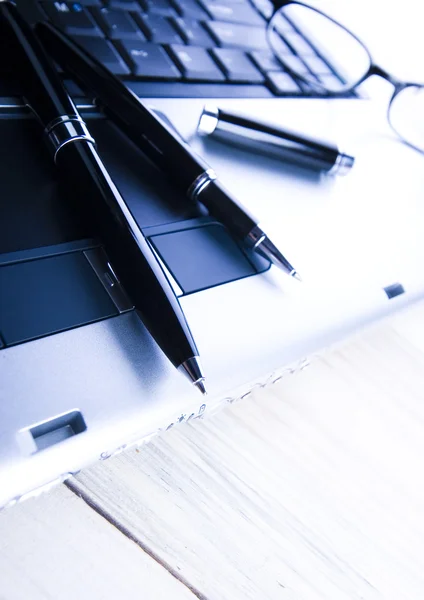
(56, 547)
(309, 489)
(312, 488)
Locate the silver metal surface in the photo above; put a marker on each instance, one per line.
(65, 130)
(338, 231)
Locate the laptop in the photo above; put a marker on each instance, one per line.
(81, 379)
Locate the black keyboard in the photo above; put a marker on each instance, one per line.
(186, 48)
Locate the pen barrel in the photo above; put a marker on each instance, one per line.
(97, 199)
(140, 124)
(47, 98)
(158, 141)
(276, 142)
(227, 210)
(95, 195)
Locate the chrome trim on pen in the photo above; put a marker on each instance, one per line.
(208, 120)
(261, 243)
(342, 166)
(64, 130)
(200, 183)
(255, 237)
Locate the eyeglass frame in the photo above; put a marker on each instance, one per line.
(373, 69)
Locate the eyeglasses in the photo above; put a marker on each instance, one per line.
(342, 62)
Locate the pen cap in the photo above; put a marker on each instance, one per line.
(266, 139)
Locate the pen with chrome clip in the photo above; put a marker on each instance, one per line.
(160, 143)
(96, 195)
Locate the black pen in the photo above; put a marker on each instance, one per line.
(160, 143)
(267, 139)
(75, 155)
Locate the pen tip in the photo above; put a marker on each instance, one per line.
(201, 386)
(270, 251)
(192, 369)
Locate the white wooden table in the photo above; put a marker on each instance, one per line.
(311, 488)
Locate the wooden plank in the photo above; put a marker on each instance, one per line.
(312, 488)
(56, 547)
(409, 325)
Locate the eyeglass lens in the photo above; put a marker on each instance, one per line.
(344, 60)
(338, 61)
(404, 108)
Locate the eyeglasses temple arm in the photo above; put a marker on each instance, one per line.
(277, 4)
(376, 70)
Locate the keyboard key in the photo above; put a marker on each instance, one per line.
(149, 60)
(90, 2)
(282, 83)
(266, 61)
(240, 12)
(72, 18)
(317, 65)
(193, 33)
(130, 5)
(159, 7)
(182, 41)
(330, 80)
(265, 7)
(237, 66)
(298, 43)
(117, 24)
(238, 36)
(196, 63)
(83, 2)
(191, 9)
(279, 46)
(295, 64)
(105, 53)
(158, 29)
(282, 25)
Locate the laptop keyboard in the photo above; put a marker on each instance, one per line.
(186, 48)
